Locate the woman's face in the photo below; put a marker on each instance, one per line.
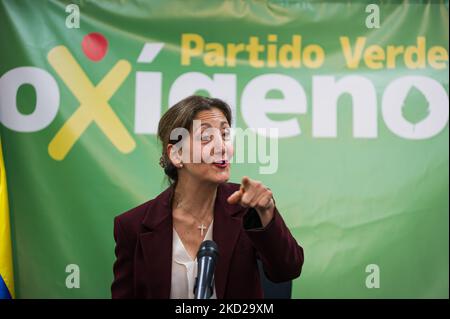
(210, 148)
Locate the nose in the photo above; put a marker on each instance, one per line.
(219, 148)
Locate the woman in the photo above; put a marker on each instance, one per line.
(157, 242)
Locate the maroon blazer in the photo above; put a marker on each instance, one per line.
(143, 235)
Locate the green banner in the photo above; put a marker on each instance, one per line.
(357, 91)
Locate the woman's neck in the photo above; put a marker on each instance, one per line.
(195, 197)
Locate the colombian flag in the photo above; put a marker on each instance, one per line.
(6, 266)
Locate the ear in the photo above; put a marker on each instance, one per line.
(173, 155)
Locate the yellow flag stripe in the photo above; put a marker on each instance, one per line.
(6, 264)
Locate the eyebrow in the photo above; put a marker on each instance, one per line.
(223, 123)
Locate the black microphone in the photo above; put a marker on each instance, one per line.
(206, 259)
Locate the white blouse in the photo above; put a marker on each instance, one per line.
(184, 269)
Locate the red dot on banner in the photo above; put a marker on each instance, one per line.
(95, 46)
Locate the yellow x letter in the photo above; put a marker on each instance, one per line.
(94, 106)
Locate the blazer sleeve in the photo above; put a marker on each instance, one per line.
(278, 250)
(122, 286)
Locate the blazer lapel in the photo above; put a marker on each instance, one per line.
(226, 229)
(156, 244)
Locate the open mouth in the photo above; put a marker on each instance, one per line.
(221, 164)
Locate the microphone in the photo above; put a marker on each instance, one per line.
(206, 259)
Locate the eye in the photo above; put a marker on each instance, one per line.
(206, 137)
(226, 134)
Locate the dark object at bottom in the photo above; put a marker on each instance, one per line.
(282, 290)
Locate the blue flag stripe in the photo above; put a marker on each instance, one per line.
(4, 292)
